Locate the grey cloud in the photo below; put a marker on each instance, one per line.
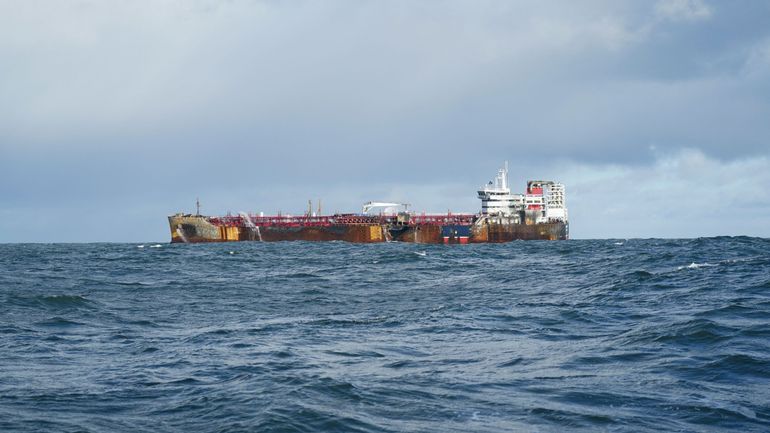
(687, 10)
(682, 194)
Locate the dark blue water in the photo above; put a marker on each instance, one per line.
(637, 335)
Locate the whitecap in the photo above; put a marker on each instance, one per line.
(694, 265)
(421, 253)
(739, 260)
(140, 246)
(156, 246)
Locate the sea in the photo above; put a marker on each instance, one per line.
(637, 335)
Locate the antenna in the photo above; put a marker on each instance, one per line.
(504, 178)
(319, 207)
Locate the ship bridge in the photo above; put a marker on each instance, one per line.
(496, 197)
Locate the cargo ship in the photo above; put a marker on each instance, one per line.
(538, 214)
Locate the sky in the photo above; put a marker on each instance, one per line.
(115, 114)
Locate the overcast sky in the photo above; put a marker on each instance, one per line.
(115, 114)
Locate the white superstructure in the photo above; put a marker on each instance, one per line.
(496, 197)
(555, 207)
(543, 202)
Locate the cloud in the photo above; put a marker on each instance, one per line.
(683, 10)
(757, 63)
(682, 194)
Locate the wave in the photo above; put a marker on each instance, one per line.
(65, 300)
(59, 322)
(740, 364)
(694, 265)
(344, 322)
(52, 302)
(697, 331)
(307, 417)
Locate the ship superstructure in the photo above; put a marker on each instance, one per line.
(496, 197)
(539, 213)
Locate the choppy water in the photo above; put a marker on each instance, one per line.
(637, 335)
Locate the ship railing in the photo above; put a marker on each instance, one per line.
(347, 219)
(298, 221)
(456, 219)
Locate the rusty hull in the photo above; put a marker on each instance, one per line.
(363, 233)
(420, 234)
(492, 231)
(196, 229)
(192, 229)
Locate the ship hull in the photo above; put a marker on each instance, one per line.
(497, 231)
(348, 233)
(197, 229)
(484, 232)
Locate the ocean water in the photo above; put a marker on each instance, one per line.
(581, 335)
